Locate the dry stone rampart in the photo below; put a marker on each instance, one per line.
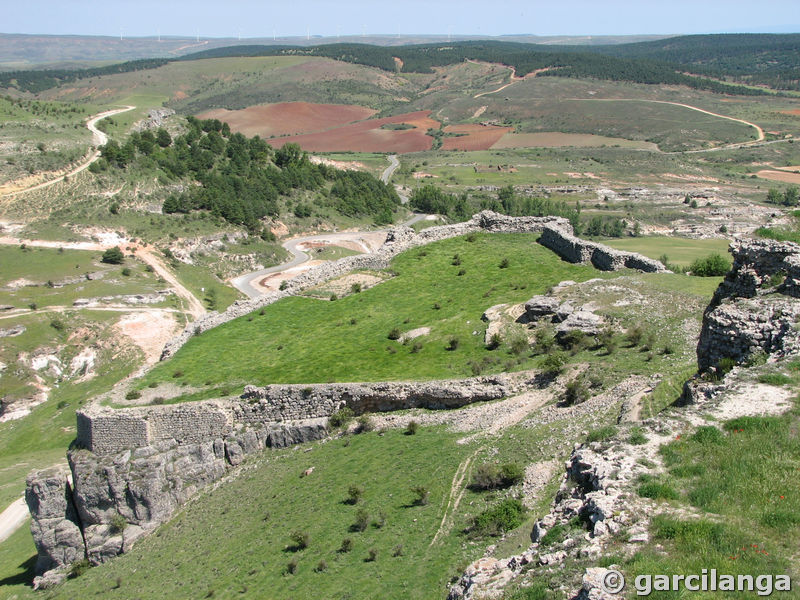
(576, 250)
(107, 430)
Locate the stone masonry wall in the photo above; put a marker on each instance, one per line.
(107, 430)
(576, 250)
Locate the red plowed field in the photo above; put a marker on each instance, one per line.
(474, 136)
(367, 136)
(288, 118)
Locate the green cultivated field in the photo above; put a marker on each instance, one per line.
(681, 251)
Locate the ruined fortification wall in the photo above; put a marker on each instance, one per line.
(106, 430)
(576, 250)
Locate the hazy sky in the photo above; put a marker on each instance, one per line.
(251, 18)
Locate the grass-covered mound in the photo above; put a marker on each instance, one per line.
(303, 340)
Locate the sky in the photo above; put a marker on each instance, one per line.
(251, 18)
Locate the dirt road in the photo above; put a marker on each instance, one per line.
(98, 139)
(12, 518)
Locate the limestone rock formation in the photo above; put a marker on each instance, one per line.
(755, 308)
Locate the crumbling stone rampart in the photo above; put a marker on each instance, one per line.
(105, 430)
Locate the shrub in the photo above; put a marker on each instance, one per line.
(291, 568)
(355, 288)
(113, 256)
(553, 364)
(362, 520)
(634, 336)
(58, 324)
(301, 540)
(347, 546)
(372, 555)
(283, 285)
(554, 535)
(494, 342)
(505, 516)
(489, 476)
(657, 491)
(333, 297)
(78, 568)
(544, 340)
(33, 306)
(126, 271)
(321, 567)
(575, 341)
(608, 340)
(456, 260)
(365, 424)
(341, 417)
(354, 494)
(177, 374)
(133, 395)
(412, 428)
(452, 344)
(576, 392)
(380, 521)
(421, 495)
(118, 523)
(461, 272)
(518, 343)
(416, 347)
(713, 265)
(394, 334)
(504, 263)
(397, 550)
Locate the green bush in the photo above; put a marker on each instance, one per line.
(412, 428)
(341, 418)
(300, 539)
(362, 520)
(657, 490)
(118, 523)
(505, 516)
(713, 265)
(421, 495)
(58, 325)
(354, 494)
(576, 392)
(133, 395)
(554, 363)
(347, 546)
(637, 437)
(774, 379)
(113, 256)
(394, 334)
(490, 476)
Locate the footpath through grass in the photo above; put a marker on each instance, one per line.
(301, 340)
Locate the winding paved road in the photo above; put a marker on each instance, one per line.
(98, 139)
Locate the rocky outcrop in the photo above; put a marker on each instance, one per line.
(54, 520)
(568, 318)
(118, 497)
(754, 310)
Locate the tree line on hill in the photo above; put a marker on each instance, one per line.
(460, 207)
(755, 59)
(244, 179)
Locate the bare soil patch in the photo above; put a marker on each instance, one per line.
(288, 118)
(782, 176)
(555, 139)
(367, 136)
(150, 331)
(473, 136)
